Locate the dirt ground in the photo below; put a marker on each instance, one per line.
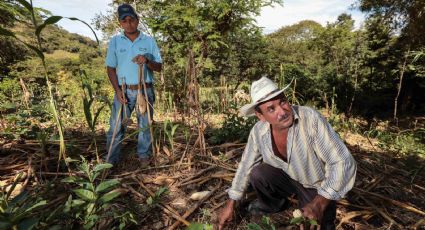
(389, 192)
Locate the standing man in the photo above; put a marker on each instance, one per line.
(290, 150)
(126, 52)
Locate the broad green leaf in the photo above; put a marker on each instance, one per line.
(39, 204)
(71, 179)
(297, 220)
(96, 116)
(313, 222)
(85, 194)
(77, 202)
(101, 167)
(106, 184)
(48, 21)
(199, 226)
(88, 185)
(90, 208)
(76, 19)
(111, 195)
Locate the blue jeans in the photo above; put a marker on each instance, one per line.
(144, 149)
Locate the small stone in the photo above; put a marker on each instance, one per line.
(158, 225)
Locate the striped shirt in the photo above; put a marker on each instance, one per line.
(316, 156)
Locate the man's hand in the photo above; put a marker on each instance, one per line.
(315, 209)
(140, 59)
(226, 214)
(121, 97)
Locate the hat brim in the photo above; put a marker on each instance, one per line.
(249, 109)
(128, 14)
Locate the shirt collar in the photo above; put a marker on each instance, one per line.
(140, 37)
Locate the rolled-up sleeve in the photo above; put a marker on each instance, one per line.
(340, 166)
(250, 158)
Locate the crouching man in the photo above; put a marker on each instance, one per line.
(290, 150)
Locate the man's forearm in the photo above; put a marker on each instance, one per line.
(113, 78)
(154, 66)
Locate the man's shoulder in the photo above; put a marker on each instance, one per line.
(306, 111)
(260, 127)
(146, 37)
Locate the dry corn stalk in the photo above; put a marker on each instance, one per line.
(141, 105)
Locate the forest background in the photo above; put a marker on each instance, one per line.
(54, 92)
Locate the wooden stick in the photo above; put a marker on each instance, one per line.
(196, 175)
(382, 213)
(397, 203)
(196, 206)
(166, 208)
(148, 105)
(208, 163)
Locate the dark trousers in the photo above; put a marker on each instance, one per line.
(273, 186)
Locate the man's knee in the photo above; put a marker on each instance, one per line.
(258, 173)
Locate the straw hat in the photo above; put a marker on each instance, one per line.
(261, 90)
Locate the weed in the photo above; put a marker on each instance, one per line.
(235, 128)
(265, 224)
(91, 202)
(19, 212)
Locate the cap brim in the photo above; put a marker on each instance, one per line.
(249, 109)
(127, 14)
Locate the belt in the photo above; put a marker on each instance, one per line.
(136, 87)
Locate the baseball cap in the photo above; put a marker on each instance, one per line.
(125, 10)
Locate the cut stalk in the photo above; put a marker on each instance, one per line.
(141, 67)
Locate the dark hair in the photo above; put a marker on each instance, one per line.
(279, 96)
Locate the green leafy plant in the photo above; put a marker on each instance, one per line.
(265, 224)
(92, 201)
(19, 212)
(153, 200)
(90, 113)
(200, 226)
(234, 128)
(302, 220)
(170, 131)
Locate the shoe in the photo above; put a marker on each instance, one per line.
(145, 161)
(257, 208)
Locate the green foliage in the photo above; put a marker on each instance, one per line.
(266, 224)
(170, 131)
(234, 128)
(154, 200)
(303, 220)
(92, 200)
(408, 142)
(199, 226)
(21, 211)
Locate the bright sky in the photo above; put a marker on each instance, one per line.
(271, 18)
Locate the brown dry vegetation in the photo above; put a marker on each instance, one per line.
(387, 193)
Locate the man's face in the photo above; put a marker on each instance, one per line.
(277, 112)
(129, 24)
